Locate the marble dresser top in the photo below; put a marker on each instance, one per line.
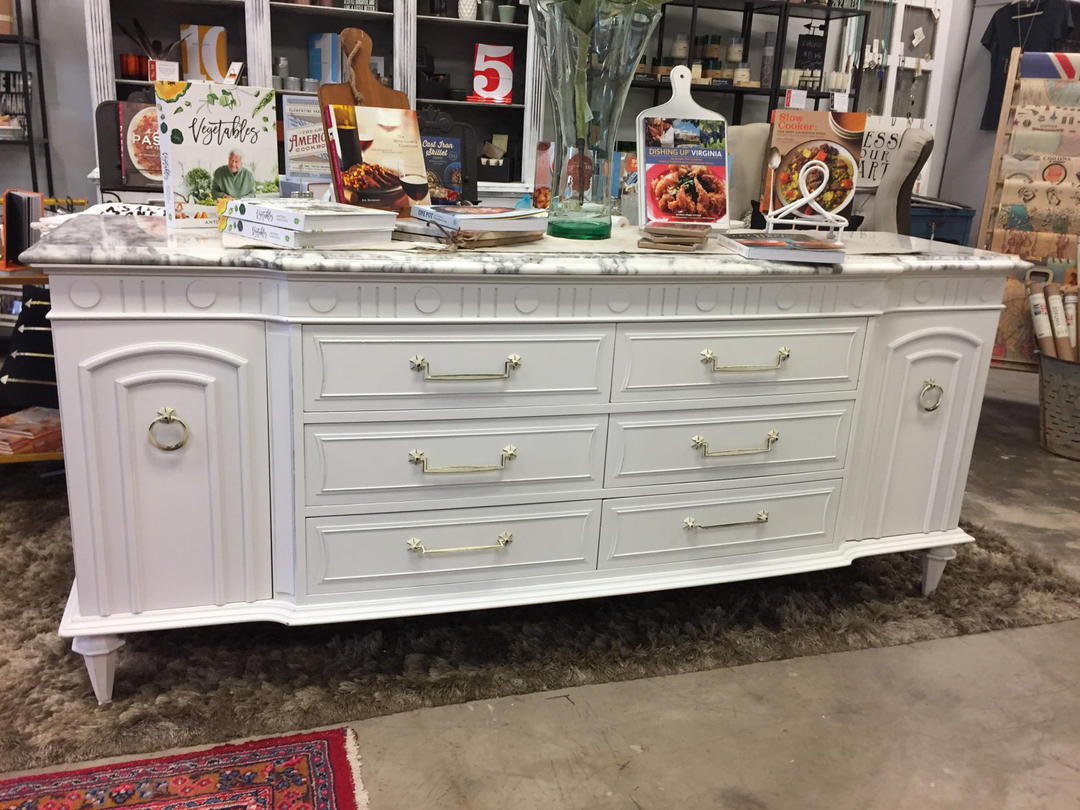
(110, 240)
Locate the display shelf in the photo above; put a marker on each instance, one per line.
(657, 84)
(25, 142)
(432, 18)
(33, 109)
(772, 7)
(15, 39)
(459, 103)
(16, 458)
(136, 82)
(335, 11)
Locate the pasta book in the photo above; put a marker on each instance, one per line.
(217, 142)
(799, 136)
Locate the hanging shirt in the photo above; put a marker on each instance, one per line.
(1043, 32)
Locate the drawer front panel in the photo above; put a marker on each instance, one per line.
(759, 522)
(446, 546)
(680, 361)
(674, 447)
(366, 462)
(356, 368)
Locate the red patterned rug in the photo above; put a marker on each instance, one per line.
(318, 771)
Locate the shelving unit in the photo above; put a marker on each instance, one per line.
(261, 30)
(784, 15)
(29, 47)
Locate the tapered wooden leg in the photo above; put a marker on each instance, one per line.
(933, 566)
(99, 654)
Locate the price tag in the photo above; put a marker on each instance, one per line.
(795, 99)
(840, 101)
(165, 71)
(493, 74)
(917, 37)
(233, 73)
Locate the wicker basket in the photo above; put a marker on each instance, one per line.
(1059, 407)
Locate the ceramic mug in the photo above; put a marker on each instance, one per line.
(507, 13)
(466, 9)
(487, 10)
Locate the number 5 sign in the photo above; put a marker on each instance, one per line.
(493, 74)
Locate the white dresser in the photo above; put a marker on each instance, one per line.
(305, 438)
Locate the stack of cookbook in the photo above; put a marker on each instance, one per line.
(31, 430)
(303, 224)
(472, 225)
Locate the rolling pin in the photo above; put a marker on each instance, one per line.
(1040, 319)
(1059, 324)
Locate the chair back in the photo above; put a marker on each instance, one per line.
(747, 145)
(890, 209)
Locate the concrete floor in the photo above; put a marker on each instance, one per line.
(987, 721)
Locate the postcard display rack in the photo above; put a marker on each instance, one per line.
(260, 32)
(1031, 207)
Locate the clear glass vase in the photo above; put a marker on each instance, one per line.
(590, 50)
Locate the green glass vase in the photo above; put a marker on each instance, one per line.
(590, 50)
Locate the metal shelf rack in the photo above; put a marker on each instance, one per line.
(30, 48)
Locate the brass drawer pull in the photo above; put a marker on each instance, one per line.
(699, 443)
(503, 540)
(709, 356)
(167, 416)
(929, 386)
(508, 453)
(691, 524)
(419, 363)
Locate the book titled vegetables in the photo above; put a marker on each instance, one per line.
(218, 141)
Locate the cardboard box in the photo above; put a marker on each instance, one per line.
(7, 16)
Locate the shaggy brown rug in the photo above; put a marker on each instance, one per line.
(200, 686)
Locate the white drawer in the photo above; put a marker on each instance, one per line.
(350, 368)
(681, 361)
(674, 529)
(450, 545)
(387, 461)
(670, 447)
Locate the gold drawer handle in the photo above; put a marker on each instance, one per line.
(508, 453)
(419, 363)
(504, 539)
(929, 386)
(691, 524)
(709, 356)
(167, 416)
(699, 443)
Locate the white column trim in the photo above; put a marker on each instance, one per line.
(257, 28)
(405, 48)
(99, 47)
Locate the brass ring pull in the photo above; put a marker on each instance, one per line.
(709, 356)
(167, 416)
(699, 443)
(503, 540)
(690, 523)
(929, 386)
(420, 364)
(508, 453)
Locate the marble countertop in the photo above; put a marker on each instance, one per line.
(110, 240)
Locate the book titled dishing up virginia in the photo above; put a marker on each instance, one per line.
(217, 141)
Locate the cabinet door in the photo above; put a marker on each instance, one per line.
(166, 512)
(919, 420)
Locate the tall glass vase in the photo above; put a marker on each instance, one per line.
(590, 49)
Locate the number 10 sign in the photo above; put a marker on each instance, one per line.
(493, 74)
